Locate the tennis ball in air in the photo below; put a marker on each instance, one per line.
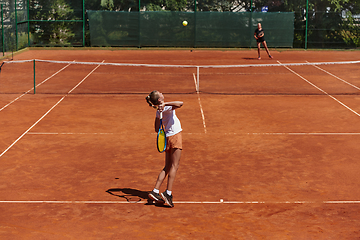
(185, 23)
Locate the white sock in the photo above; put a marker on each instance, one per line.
(156, 190)
(168, 192)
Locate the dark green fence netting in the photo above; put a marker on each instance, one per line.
(204, 29)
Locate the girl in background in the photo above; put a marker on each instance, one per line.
(259, 36)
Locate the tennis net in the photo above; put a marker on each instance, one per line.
(71, 77)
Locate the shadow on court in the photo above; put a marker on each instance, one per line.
(249, 58)
(133, 196)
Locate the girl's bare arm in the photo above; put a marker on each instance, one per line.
(174, 104)
(157, 124)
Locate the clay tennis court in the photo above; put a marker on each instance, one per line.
(278, 145)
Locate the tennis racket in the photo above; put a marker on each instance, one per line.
(161, 137)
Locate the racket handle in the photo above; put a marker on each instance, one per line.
(161, 116)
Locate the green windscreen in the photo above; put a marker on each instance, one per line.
(204, 29)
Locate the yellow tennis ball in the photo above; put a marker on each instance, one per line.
(185, 23)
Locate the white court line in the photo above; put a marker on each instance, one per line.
(183, 202)
(344, 105)
(196, 85)
(33, 88)
(221, 133)
(309, 133)
(49, 133)
(31, 127)
(201, 108)
(336, 77)
(51, 76)
(22, 135)
(85, 77)
(12, 102)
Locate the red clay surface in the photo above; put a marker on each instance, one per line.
(282, 154)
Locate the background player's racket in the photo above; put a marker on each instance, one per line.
(161, 137)
(260, 34)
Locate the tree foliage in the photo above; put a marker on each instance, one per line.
(54, 31)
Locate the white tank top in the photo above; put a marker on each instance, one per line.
(171, 122)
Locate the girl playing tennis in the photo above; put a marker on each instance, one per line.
(259, 36)
(173, 145)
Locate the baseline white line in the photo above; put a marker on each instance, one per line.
(201, 108)
(49, 133)
(336, 77)
(301, 133)
(182, 202)
(344, 105)
(33, 88)
(189, 133)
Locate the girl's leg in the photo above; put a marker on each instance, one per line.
(258, 46)
(174, 155)
(266, 48)
(164, 172)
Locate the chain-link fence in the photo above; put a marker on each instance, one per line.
(41, 23)
(8, 26)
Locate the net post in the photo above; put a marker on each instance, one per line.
(198, 78)
(34, 76)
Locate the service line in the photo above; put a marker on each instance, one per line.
(200, 133)
(201, 108)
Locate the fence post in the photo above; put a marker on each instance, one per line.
(195, 23)
(2, 30)
(306, 22)
(84, 21)
(28, 21)
(250, 26)
(139, 25)
(16, 29)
